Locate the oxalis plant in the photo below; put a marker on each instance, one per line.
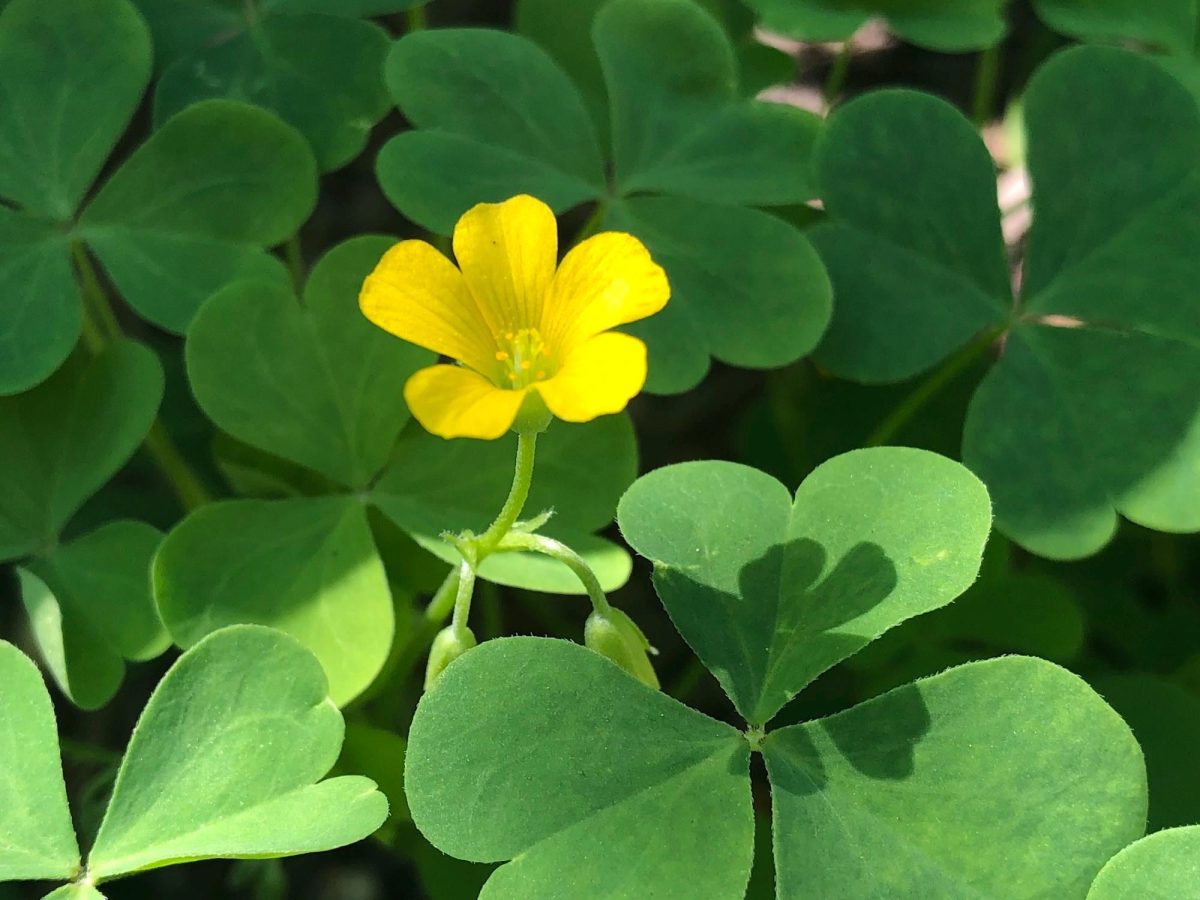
(307, 501)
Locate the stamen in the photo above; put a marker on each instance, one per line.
(524, 358)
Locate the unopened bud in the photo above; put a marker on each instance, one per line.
(615, 635)
(449, 645)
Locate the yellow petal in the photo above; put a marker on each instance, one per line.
(599, 377)
(507, 253)
(451, 402)
(607, 280)
(416, 294)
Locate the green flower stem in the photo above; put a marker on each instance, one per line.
(295, 261)
(442, 603)
(517, 495)
(417, 18)
(101, 327)
(462, 597)
(987, 79)
(548, 546)
(932, 386)
(836, 79)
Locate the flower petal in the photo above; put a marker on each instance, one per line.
(607, 280)
(507, 252)
(451, 402)
(416, 294)
(599, 377)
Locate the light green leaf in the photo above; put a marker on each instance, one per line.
(722, 258)
(1005, 778)
(306, 566)
(226, 761)
(379, 755)
(41, 316)
(933, 24)
(61, 441)
(1165, 25)
(90, 608)
(492, 99)
(434, 486)
(770, 594)
(37, 838)
(584, 810)
(1091, 409)
(1162, 866)
(73, 72)
(313, 381)
(201, 198)
(319, 73)
(75, 892)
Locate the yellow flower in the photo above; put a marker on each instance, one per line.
(521, 327)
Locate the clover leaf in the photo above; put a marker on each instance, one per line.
(624, 793)
(88, 599)
(192, 207)
(801, 586)
(310, 383)
(945, 27)
(629, 792)
(37, 838)
(315, 65)
(1090, 410)
(1161, 866)
(226, 761)
(1169, 26)
(684, 162)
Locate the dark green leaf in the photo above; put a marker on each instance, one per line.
(1166, 25)
(312, 382)
(319, 73)
(63, 440)
(73, 71)
(194, 206)
(40, 317)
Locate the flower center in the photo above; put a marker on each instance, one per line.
(523, 358)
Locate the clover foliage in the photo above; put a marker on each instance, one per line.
(677, 449)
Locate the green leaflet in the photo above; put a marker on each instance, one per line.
(625, 793)
(934, 24)
(886, 797)
(37, 839)
(62, 441)
(192, 208)
(225, 761)
(770, 594)
(628, 792)
(312, 381)
(90, 609)
(1162, 866)
(1166, 25)
(496, 115)
(1089, 410)
(306, 566)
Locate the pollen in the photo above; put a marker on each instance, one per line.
(524, 358)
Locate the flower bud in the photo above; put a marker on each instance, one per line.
(615, 635)
(449, 645)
